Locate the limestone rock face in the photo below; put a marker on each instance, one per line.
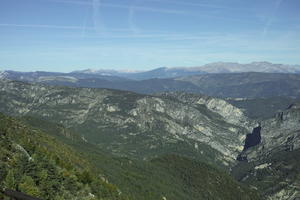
(130, 124)
(281, 133)
(231, 113)
(271, 147)
(276, 159)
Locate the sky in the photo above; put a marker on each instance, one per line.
(68, 35)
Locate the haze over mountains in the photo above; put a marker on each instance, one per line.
(226, 80)
(171, 72)
(218, 67)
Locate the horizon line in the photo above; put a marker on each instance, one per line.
(128, 70)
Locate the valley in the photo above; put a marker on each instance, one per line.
(149, 100)
(147, 133)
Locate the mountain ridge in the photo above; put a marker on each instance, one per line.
(172, 72)
(215, 67)
(153, 120)
(144, 127)
(223, 85)
(161, 178)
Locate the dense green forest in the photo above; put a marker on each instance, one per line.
(57, 164)
(39, 165)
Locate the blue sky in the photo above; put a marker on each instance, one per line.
(67, 35)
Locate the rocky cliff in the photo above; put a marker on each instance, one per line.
(272, 165)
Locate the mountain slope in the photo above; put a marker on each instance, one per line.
(247, 85)
(217, 67)
(64, 172)
(225, 85)
(146, 127)
(262, 108)
(194, 180)
(266, 67)
(131, 124)
(37, 164)
(273, 164)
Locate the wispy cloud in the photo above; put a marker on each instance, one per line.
(125, 33)
(205, 37)
(184, 3)
(211, 4)
(84, 24)
(98, 25)
(131, 18)
(271, 18)
(142, 8)
(134, 8)
(44, 26)
(57, 27)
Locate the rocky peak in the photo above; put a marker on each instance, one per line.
(294, 106)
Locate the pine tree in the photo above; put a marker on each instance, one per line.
(10, 181)
(28, 186)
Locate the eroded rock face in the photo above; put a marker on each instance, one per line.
(281, 133)
(124, 122)
(276, 158)
(269, 148)
(180, 119)
(231, 113)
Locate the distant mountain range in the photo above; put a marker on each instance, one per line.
(218, 67)
(248, 90)
(162, 72)
(224, 85)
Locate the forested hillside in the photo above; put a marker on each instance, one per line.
(38, 164)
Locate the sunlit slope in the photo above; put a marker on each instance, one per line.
(41, 165)
(135, 125)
